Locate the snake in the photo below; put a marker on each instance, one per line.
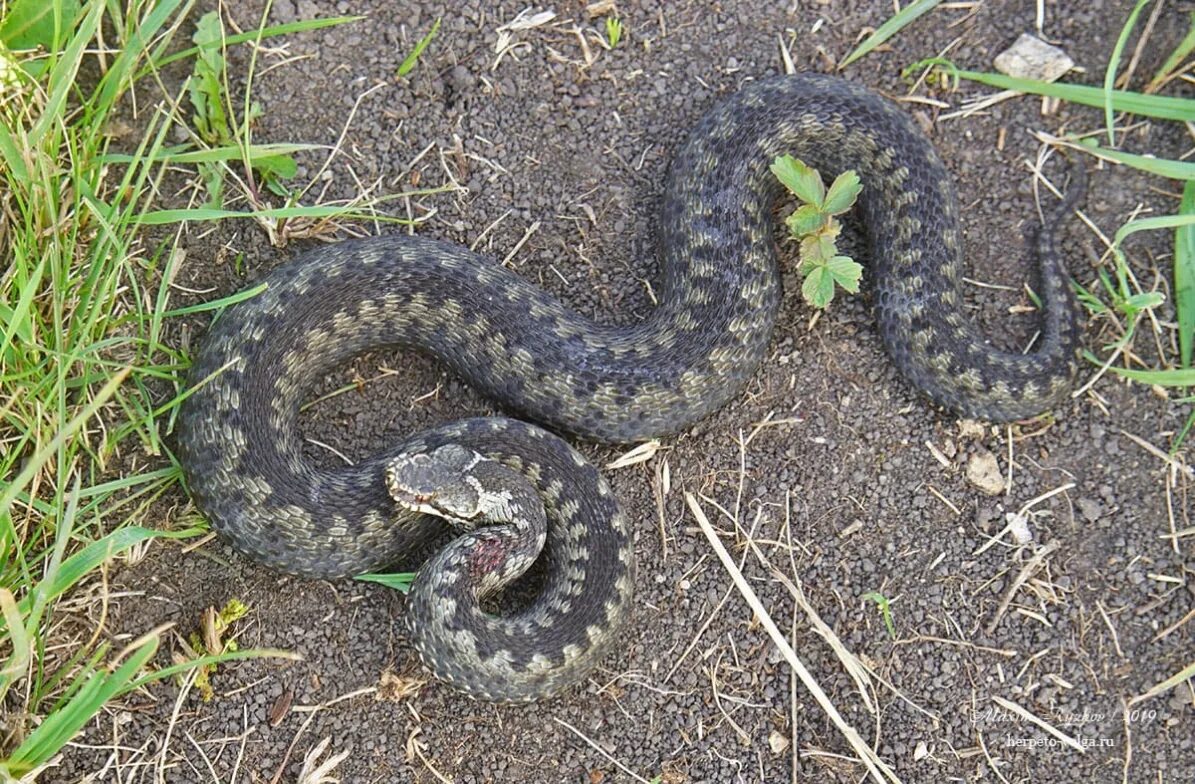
(533, 496)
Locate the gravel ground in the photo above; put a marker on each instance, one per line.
(841, 477)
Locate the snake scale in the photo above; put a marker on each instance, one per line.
(534, 356)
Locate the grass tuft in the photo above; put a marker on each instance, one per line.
(89, 387)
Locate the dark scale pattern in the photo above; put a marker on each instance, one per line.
(514, 342)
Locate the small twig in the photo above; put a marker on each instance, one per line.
(315, 772)
(1108, 622)
(1172, 627)
(331, 449)
(1022, 577)
(991, 763)
(1005, 652)
(1128, 742)
(600, 750)
(933, 491)
(786, 55)
(534, 227)
(1158, 453)
(1184, 674)
(706, 625)
(1032, 502)
(660, 488)
(734, 725)
(415, 747)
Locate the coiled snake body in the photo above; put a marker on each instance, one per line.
(524, 349)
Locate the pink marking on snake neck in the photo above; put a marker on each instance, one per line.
(486, 557)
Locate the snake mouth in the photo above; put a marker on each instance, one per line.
(417, 502)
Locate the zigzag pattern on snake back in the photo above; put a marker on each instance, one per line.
(533, 355)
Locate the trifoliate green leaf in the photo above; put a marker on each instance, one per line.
(803, 181)
(846, 272)
(818, 249)
(807, 219)
(842, 194)
(818, 288)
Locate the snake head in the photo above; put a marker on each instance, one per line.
(438, 482)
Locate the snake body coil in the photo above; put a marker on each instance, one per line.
(533, 355)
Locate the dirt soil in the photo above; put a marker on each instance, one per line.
(842, 477)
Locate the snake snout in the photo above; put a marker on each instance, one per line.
(436, 482)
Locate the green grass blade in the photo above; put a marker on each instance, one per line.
(1184, 275)
(205, 661)
(83, 661)
(184, 155)
(13, 155)
(33, 23)
(399, 581)
(17, 320)
(1165, 167)
(49, 450)
(1162, 378)
(891, 27)
(120, 74)
(1181, 436)
(1114, 64)
(18, 638)
(1161, 106)
(408, 63)
(255, 35)
(211, 214)
(217, 304)
(1151, 224)
(105, 489)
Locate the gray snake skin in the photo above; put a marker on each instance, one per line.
(534, 356)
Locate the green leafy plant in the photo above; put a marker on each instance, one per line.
(214, 118)
(815, 225)
(613, 31)
(37, 24)
(206, 88)
(408, 63)
(882, 602)
(209, 641)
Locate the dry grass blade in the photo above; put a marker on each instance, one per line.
(1184, 674)
(1170, 460)
(316, 772)
(879, 770)
(640, 454)
(850, 661)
